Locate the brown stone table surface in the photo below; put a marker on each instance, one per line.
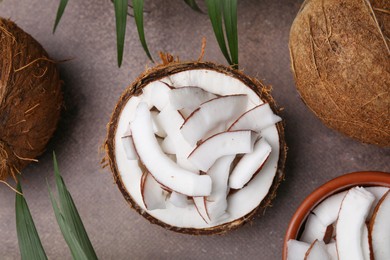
(93, 83)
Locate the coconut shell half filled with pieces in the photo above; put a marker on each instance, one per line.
(196, 147)
(30, 99)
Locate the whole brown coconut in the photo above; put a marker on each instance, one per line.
(30, 99)
(171, 67)
(340, 58)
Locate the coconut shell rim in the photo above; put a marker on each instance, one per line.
(158, 72)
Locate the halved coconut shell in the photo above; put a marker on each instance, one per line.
(164, 70)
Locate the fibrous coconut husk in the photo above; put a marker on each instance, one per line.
(30, 99)
(170, 67)
(340, 57)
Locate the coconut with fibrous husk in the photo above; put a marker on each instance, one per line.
(170, 132)
(30, 99)
(340, 57)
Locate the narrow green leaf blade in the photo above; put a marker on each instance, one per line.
(214, 9)
(138, 11)
(71, 215)
(121, 19)
(193, 5)
(73, 244)
(230, 19)
(30, 245)
(60, 12)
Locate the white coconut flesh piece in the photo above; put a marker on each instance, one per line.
(250, 164)
(317, 251)
(211, 114)
(159, 164)
(256, 119)
(380, 229)
(225, 143)
(157, 129)
(156, 94)
(200, 205)
(332, 251)
(365, 243)
(296, 250)
(168, 146)
(128, 145)
(314, 229)
(351, 221)
(328, 210)
(216, 203)
(153, 196)
(171, 121)
(378, 192)
(189, 98)
(178, 200)
(239, 203)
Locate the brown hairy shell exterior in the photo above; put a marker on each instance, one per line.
(169, 68)
(30, 99)
(340, 57)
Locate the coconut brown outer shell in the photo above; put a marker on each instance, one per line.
(30, 99)
(340, 58)
(165, 70)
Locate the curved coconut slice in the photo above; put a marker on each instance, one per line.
(328, 210)
(378, 192)
(171, 121)
(200, 205)
(225, 143)
(249, 164)
(314, 229)
(256, 119)
(163, 169)
(216, 203)
(365, 243)
(178, 200)
(156, 94)
(296, 250)
(157, 129)
(153, 195)
(189, 97)
(211, 114)
(351, 221)
(317, 251)
(379, 229)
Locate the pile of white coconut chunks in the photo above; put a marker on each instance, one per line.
(187, 138)
(354, 224)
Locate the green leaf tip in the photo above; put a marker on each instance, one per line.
(138, 10)
(121, 7)
(193, 5)
(60, 12)
(30, 245)
(69, 220)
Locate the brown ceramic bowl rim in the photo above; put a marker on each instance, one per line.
(368, 178)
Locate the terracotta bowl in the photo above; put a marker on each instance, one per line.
(331, 187)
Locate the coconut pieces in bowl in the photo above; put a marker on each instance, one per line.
(197, 151)
(353, 224)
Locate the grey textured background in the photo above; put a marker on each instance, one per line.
(93, 83)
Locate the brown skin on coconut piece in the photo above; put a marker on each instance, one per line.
(340, 61)
(160, 72)
(30, 99)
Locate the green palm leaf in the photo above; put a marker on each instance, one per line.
(138, 10)
(30, 245)
(193, 5)
(214, 9)
(121, 19)
(60, 12)
(69, 219)
(230, 19)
